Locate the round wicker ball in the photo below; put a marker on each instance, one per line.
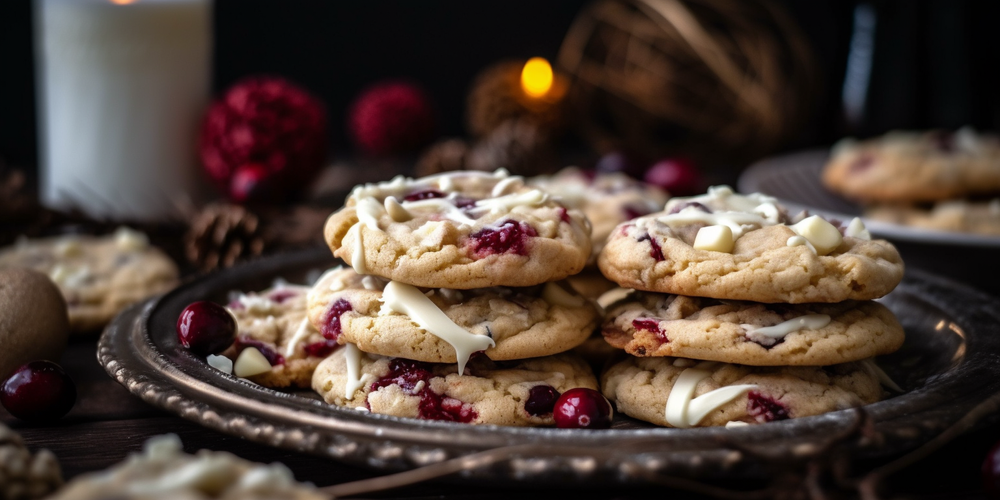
(723, 80)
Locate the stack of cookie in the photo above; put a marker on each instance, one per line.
(452, 307)
(935, 180)
(744, 314)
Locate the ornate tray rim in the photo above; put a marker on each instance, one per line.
(240, 408)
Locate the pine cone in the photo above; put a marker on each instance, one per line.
(222, 234)
(496, 97)
(445, 156)
(23, 476)
(517, 146)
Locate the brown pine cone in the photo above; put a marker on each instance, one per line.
(496, 97)
(517, 146)
(23, 476)
(222, 234)
(445, 156)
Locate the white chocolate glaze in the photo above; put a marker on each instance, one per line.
(354, 378)
(506, 203)
(300, 334)
(795, 241)
(396, 211)
(408, 300)
(682, 411)
(767, 335)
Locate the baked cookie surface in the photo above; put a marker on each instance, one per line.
(915, 167)
(98, 276)
(274, 321)
(459, 230)
(750, 333)
(758, 253)
(674, 392)
(607, 199)
(490, 392)
(964, 216)
(397, 320)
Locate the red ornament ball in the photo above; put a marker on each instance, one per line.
(268, 128)
(676, 175)
(391, 117)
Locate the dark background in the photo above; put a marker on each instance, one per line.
(935, 63)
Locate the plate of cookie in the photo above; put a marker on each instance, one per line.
(935, 187)
(441, 322)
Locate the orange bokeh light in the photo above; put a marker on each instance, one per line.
(537, 77)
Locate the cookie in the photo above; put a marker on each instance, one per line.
(446, 325)
(98, 276)
(963, 216)
(517, 393)
(746, 247)
(274, 321)
(751, 333)
(915, 167)
(459, 230)
(679, 392)
(607, 199)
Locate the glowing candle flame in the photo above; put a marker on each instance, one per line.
(536, 77)
(122, 2)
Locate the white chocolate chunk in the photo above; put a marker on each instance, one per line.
(614, 295)
(823, 235)
(396, 211)
(857, 229)
(250, 362)
(797, 241)
(715, 239)
(130, 240)
(221, 363)
(733, 424)
(558, 296)
(682, 411)
(408, 300)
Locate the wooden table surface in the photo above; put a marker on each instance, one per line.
(108, 423)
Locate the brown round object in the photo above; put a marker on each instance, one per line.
(496, 97)
(448, 155)
(34, 324)
(516, 145)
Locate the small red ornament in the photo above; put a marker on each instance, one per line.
(391, 117)
(676, 175)
(265, 130)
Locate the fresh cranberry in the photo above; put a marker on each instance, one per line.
(407, 375)
(266, 349)
(38, 391)
(510, 237)
(331, 327)
(861, 163)
(991, 472)
(426, 194)
(650, 325)
(541, 400)
(206, 328)
(463, 202)
(676, 175)
(582, 408)
(322, 348)
(654, 247)
(765, 409)
(688, 204)
(563, 214)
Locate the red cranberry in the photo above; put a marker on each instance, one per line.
(331, 327)
(509, 237)
(322, 348)
(991, 472)
(281, 295)
(676, 175)
(463, 202)
(407, 375)
(765, 409)
(650, 325)
(38, 391)
(541, 400)
(655, 251)
(861, 163)
(582, 408)
(563, 214)
(268, 350)
(426, 194)
(206, 328)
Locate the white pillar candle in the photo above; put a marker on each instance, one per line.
(122, 86)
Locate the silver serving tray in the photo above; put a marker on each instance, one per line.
(948, 364)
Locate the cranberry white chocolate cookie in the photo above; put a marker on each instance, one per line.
(98, 276)
(459, 230)
(903, 167)
(964, 216)
(679, 392)
(520, 393)
(746, 247)
(607, 199)
(751, 333)
(447, 325)
(274, 322)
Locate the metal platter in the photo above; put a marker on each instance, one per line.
(948, 364)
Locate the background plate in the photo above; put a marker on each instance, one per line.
(947, 366)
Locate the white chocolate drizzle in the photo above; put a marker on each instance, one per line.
(300, 334)
(408, 300)
(354, 379)
(795, 241)
(505, 203)
(682, 411)
(769, 334)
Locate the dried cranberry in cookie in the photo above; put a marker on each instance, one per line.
(730, 246)
(521, 392)
(680, 392)
(459, 230)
